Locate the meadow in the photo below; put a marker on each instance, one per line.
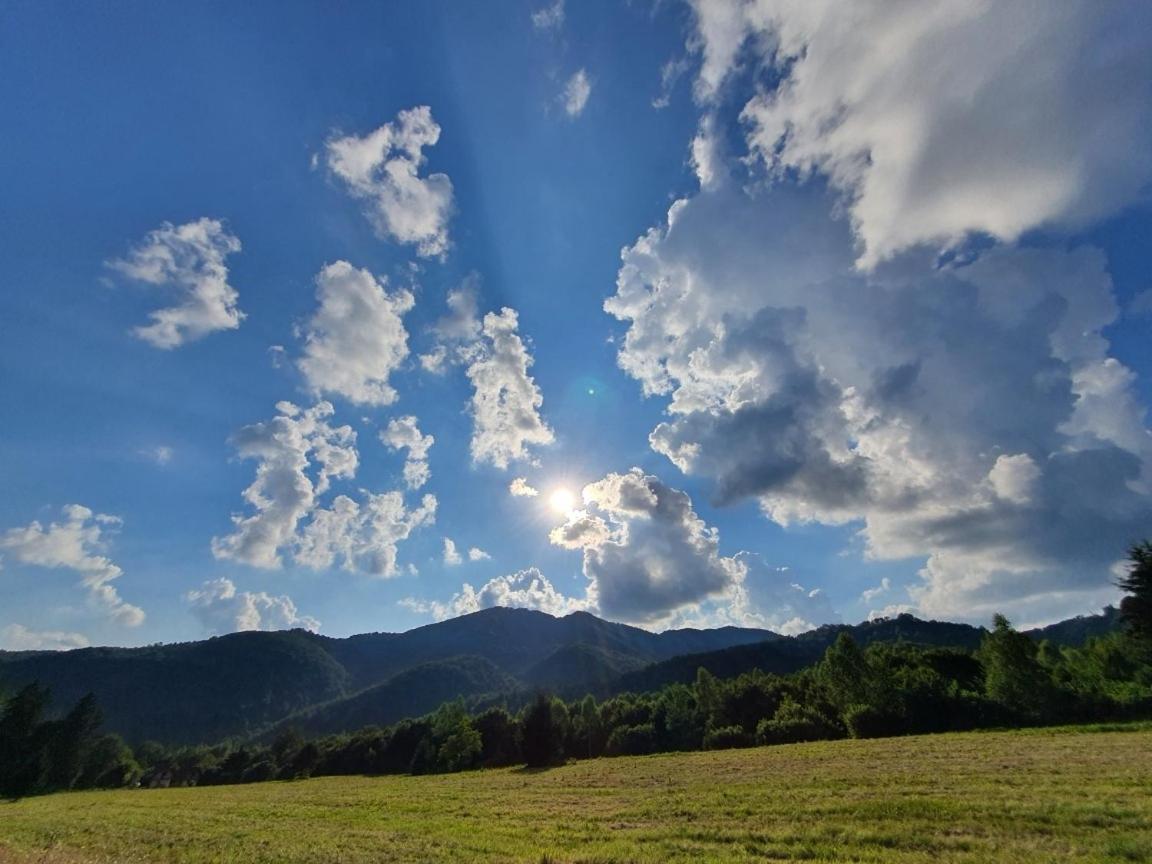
(1068, 794)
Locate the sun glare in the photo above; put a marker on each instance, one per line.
(562, 501)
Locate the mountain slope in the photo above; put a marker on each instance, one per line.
(412, 693)
(241, 684)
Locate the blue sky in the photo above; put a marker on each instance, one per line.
(804, 333)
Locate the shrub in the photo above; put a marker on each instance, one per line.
(632, 740)
(793, 723)
(726, 738)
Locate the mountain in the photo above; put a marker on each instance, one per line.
(244, 684)
(189, 692)
(1078, 630)
(240, 684)
(412, 693)
(783, 655)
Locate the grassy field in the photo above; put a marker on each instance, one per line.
(1035, 796)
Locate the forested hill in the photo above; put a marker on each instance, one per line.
(244, 683)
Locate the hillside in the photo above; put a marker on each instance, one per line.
(244, 683)
(411, 693)
(239, 684)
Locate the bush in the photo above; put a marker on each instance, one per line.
(868, 721)
(726, 738)
(793, 723)
(632, 740)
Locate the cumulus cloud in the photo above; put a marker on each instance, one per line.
(451, 556)
(475, 553)
(189, 261)
(403, 433)
(973, 117)
(966, 413)
(525, 589)
(220, 608)
(646, 553)
(576, 93)
(550, 17)
(382, 169)
(76, 543)
(297, 454)
(17, 637)
(506, 400)
(362, 536)
(356, 339)
(520, 488)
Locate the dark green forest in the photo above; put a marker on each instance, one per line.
(857, 687)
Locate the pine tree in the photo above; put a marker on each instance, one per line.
(1136, 608)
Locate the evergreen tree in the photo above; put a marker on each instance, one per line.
(1136, 608)
(23, 742)
(542, 744)
(69, 742)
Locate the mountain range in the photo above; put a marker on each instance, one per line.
(251, 683)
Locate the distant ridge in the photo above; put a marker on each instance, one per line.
(243, 684)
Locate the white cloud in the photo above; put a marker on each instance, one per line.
(160, 454)
(451, 556)
(76, 543)
(870, 594)
(550, 17)
(525, 589)
(970, 116)
(189, 260)
(646, 552)
(966, 413)
(356, 339)
(670, 73)
(576, 93)
(220, 608)
(363, 537)
(475, 553)
(506, 401)
(771, 597)
(520, 488)
(17, 637)
(458, 331)
(382, 169)
(1014, 478)
(404, 433)
(297, 454)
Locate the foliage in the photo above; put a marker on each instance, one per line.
(39, 755)
(1136, 607)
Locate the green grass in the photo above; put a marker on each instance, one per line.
(1039, 796)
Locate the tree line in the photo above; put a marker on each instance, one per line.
(888, 688)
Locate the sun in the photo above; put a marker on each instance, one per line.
(562, 501)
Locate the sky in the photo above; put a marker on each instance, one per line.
(757, 312)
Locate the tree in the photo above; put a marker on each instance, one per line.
(69, 743)
(1136, 608)
(845, 675)
(1012, 674)
(543, 742)
(23, 742)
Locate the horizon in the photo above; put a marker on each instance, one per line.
(496, 609)
(684, 314)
